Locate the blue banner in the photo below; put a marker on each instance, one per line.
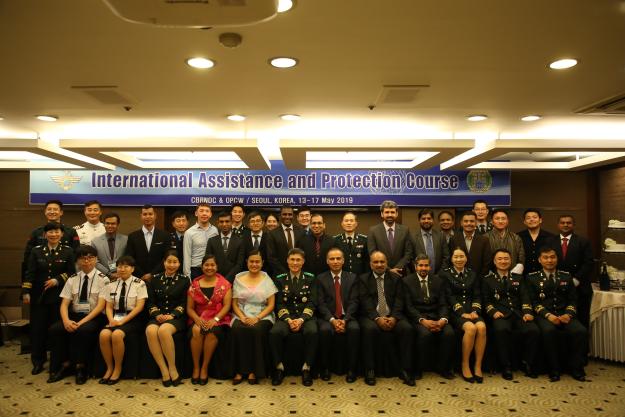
(315, 188)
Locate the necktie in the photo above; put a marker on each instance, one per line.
(289, 238)
(256, 242)
(391, 239)
(382, 306)
(349, 241)
(429, 248)
(565, 246)
(225, 244)
(552, 278)
(424, 288)
(84, 290)
(122, 299)
(317, 246)
(338, 310)
(482, 228)
(112, 247)
(294, 279)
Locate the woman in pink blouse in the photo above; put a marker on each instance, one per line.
(208, 307)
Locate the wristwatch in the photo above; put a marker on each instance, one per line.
(216, 319)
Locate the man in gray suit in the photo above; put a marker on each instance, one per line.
(391, 238)
(430, 242)
(110, 246)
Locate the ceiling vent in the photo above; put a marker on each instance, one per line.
(613, 106)
(399, 95)
(105, 94)
(194, 13)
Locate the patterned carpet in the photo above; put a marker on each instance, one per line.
(23, 394)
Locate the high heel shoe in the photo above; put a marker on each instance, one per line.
(203, 381)
(112, 381)
(478, 378)
(195, 381)
(103, 381)
(469, 379)
(237, 381)
(177, 381)
(166, 383)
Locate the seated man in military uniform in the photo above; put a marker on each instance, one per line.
(554, 300)
(294, 304)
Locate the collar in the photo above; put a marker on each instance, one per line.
(426, 232)
(89, 274)
(284, 227)
(146, 231)
(352, 235)
(336, 275)
(259, 234)
(465, 235)
(567, 237)
(221, 234)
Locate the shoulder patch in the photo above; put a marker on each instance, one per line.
(80, 226)
(564, 273)
(281, 275)
(138, 280)
(309, 274)
(361, 235)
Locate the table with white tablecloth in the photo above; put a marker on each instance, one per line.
(607, 325)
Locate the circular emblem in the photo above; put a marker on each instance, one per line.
(479, 180)
(358, 255)
(542, 295)
(304, 299)
(496, 296)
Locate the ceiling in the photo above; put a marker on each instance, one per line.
(454, 59)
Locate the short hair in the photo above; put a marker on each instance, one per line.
(207, 257)
(238, 205)
(296, 251)
(545, 249)
(86, 250)
(303, 208)
(350, 212)
(147, 207)
(455, 248)
(390, 204)
(446, 212)
(317, 215)
(425, 211)
(501, 250)
(110, 216)
(171, 252)
(421, 257)
(177, 214)
(376, 252)
(561, 216)
(57, 202)
(203, 205)
(92, 202)
(254, 252)
(500, 210)
(52, 226)
(480, 201)
(532, 210)
(223, 214)
(286, 206)
(255, 213)
(335, 248)
(467, 213)
(126, 260)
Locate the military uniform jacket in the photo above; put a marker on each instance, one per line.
(431, 306)
(87, 232)
(557, 297)
(508, 295)
(356, 255)
(168, 295)
(177, 245)
(240, 231)
(294, 300)
(38, 238)
(43, 264)
(464, 294)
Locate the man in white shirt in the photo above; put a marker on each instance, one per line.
(195, 240)
(93, 227)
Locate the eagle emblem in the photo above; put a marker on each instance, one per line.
(65, 181)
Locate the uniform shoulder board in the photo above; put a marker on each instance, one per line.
(80, 226)
(534, 274)
(65, 246)
(564, 273)
(139, 280)
(74, 275)
(337, 236)
(308, 274)
(361, 235)
(101, 275)
(281, 275)
(39, 246)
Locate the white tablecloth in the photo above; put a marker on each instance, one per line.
(607, 325)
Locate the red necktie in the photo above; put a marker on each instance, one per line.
(565, 246)
(338, 311)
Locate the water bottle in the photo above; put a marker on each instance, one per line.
(604, 278)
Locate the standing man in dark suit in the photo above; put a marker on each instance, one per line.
(226, 247)
(481, 210)
(180, 224)
(391, 238)
(353, 245)
(255, 238)
(303, 218)
(426, 308)
(148, 245)
(534, 238)
(110, 246)
(431, 242)
(316, 245)
(281, 240)
(337, 306)
(381, 310)
(475, 245)
(447, 224)
(575, 257)
(238, 217)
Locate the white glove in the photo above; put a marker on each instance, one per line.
(518, 269)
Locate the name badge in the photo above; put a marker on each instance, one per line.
(82, 307)
(119, 316)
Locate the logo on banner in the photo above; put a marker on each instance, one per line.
(479, 180)
(65, 181)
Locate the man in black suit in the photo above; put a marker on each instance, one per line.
(381, 311)
(474, 244)
(281, 240)
(575, 257)
(255, 238)
(148, 245)
(227, 248)
(316, 245)
(391, 238)
(431, 242)
(534, 238)
(337, 306)
(426, 308)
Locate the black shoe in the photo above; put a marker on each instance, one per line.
(37, 369)
(306, 378)
(507, 374)
(350, 377)
(195, 381)
(370, 377)
(418, 375)
(325, 375)
(406, 378)
(237, 381)
(57, 376)
(447, 374)
(278, 377)
(103, 381)
(554, 376)
(530, 373)
(469, 379)
(252, 381)
(112, 381)
(81, 376)
(166, 383)
(479, 379)
(177, 381)
(579, 376)
(203, 381)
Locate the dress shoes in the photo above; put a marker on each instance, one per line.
(407, 378)
(112, 381)
(166, 383)
(554, 376)
(203, 381)
(103, 381)
(507, 374)
(370, 377)
(325, 374)
(307, 378)
(579, 376)
(350, 377)
(236, 381)
(469, 379)
(277, 377)
(252, 381)
(81, 376)
(177, 381)
(195, 381)
(59, 375)
(446, 374)
(418, 376)
(37, 369)
(478, 378)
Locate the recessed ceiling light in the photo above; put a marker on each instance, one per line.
(563, 63)
(290, 117)
(1, 118)
(201, 63)
(531, 118)
(477, 117)
(284, 5)
(283, 62)
(236, 117)
(47, 118)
